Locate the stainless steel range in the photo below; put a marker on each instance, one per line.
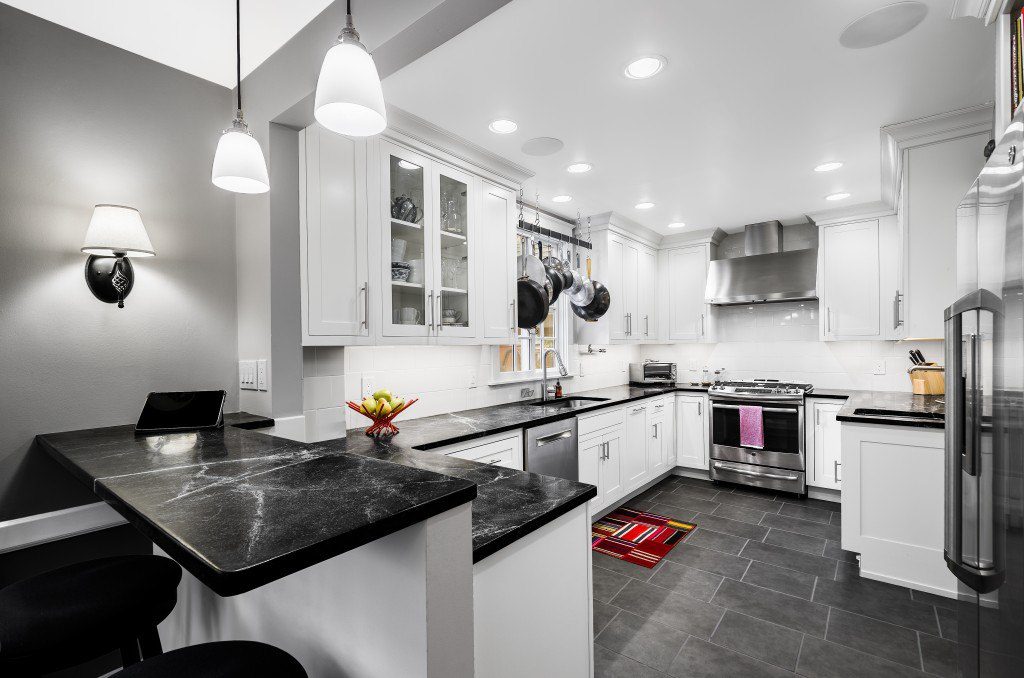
(780, 463)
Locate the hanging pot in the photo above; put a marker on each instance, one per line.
(555, 278)
(598, 306)
(563, 272)
(532, 304)
(584, 295)
(531, 267)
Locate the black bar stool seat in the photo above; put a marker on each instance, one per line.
(79, 612)
(225, 659)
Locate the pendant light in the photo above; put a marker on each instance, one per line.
(239, 165)
(349, 99)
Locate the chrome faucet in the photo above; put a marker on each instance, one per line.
(561, 370)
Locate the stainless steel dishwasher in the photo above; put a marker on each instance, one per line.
(551, 450)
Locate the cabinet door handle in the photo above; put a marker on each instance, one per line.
(494, 461)
(430, 303)
(637, 410)
(700, 408)
(647, 326)
(656, 429)
(828, 320)
(702, 324)
(440, 325)
(512, 314)
(896, 320)
(366, 304)
(817, 417)
(835, 471)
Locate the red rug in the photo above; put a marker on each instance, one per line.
(637, 537)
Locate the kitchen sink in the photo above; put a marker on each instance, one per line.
(567, 401)
(897, 414)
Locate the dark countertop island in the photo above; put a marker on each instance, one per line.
(890, 408)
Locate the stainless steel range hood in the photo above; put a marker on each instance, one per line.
(766, 274)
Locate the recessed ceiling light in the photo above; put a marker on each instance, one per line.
(837, 196)
(502, 126)
(677, 224)
(645, 67)
(405, 164)
(883, 25)
(828, 167)
(644, 205)
(561, 198)
(579, 167)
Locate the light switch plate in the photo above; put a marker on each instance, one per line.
(472, 377)
(247, 375)
(261, 375)
(879, 367)
(369, 384)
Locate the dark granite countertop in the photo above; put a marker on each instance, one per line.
(893, 408)
(239, 509)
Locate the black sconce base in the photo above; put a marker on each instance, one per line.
(110, 279)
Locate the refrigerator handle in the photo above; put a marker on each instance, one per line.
(963, 433)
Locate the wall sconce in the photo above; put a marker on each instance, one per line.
(115, 231)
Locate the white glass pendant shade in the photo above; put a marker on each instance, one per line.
(116, 229)
(239, 165)
(349, 98)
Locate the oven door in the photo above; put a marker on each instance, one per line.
(783, 435)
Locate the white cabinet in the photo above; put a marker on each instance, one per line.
(429, 227)
(935, 177)
(661, 449)
(691, 432)
(497, 450)
(824, 445)
(600, 461)
(497, 260)
(634, 458)
(336, 290)
(628, 268)
(684, 273)
(646, 328)
(849, 271)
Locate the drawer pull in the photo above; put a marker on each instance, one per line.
(495, 460)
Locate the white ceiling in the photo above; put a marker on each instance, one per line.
(195, 36)
(755, 94)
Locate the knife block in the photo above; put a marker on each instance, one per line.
(928, 379)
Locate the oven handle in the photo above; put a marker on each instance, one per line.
(763, 409)
(742, 471)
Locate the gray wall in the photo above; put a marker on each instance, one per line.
(83, 122)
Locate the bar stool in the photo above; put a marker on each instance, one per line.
(70, 615)
(224, 659)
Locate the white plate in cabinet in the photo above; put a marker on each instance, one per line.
(691, 432)
(600, 464)
(507, 451)
(337, 294)
(825, 445)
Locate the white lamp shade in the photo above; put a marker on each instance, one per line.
(239, 165)
(349, 99)
(116, 229)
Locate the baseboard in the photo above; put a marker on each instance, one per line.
(909, 584)
(699, 474)
(41, 528)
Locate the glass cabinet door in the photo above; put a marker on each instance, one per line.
(454, 284)
(408, 277)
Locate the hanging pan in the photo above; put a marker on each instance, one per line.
(598, 306)
(533, 289)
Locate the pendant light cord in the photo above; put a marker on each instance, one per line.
(238, 51)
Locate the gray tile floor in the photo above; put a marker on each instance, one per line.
(760, 588)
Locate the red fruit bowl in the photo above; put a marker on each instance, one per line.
(382, 424)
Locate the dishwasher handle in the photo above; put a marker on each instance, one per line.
(548, 439)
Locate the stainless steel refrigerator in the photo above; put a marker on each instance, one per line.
(984, 539)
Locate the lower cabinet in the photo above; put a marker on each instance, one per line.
(600, 456)
(824, 445)
(500, 450)
(634, 459)
(691, 432)
(661, 442)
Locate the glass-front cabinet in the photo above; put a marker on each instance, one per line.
(428, 219)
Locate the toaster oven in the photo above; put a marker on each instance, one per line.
(652, 372)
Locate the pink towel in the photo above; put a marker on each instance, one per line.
(751, 427)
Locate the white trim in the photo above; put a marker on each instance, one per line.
(987, 10)
(616, 223)
(41, 528)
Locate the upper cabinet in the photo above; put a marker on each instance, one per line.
(403, 243)
(849, 274)
(684, 274)
(333, 240)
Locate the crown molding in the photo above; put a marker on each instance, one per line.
(707, 236)
(404, 123)
(897, 138)
(986, 10)
(617, 223)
